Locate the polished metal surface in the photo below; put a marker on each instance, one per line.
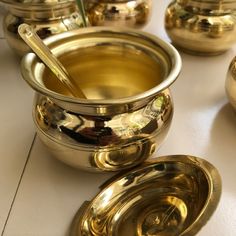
(230, 84)
(201, 26)
(47, 17)
(125, 74)
(166, 196)
(131, 13)
(54, 65)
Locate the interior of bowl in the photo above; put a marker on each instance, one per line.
(109, 71)
(109, 65)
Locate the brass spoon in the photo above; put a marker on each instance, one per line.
(44, 53)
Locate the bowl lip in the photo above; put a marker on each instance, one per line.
(173, 54)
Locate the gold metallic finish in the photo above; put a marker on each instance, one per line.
(43, 52)
(131, 13)
(202, 27)
(125, 74)
(230, 84)
(47, 17)
(166, 196)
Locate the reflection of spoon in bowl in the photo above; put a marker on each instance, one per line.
(44, 53)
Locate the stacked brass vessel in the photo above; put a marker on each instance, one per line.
(56, 16)
(131, 13)
(205, 27)
(47, 17)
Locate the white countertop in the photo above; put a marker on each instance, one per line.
(39, 195)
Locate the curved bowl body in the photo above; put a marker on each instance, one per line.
(230, 84)
(172, 195)
(201, 27)
(130, 13)
(47, 19)
(125, 75)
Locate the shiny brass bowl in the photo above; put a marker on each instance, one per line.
(167, 196)
(125, 75)
(130, 13)
(47, 17)
(204, 27)
(230, 84)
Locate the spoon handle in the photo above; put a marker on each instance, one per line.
(43, 52)
(80, 4)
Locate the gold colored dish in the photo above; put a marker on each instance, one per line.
(201, 27)
(129, 13)
(230, 84)
(125, 75)
(167, 196)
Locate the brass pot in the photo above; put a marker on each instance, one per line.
(125, 75)
(47, 18)
(205, 27)
(230, 84)
(131, 13)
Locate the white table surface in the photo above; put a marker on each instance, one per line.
(39, 195)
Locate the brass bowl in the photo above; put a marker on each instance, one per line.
(130, 13)
(167, 196)
(47, 17)
(230, 84)
(125, 75)
(201, 26)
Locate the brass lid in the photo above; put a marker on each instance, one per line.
(172, 195)
(40, 9)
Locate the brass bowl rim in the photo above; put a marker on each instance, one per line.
(213, 197)
(167, 47)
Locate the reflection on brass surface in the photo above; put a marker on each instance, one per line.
(103, 143)
(47, 17)
(131, 13)
(166, 196)
(201, 26)
(231, 83)
(125, 74)
(53, 64)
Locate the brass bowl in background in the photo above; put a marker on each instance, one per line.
(230, 84)
(47, 17)
(169, 196)
(125, 74)
(201, 26)
(131, 13)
